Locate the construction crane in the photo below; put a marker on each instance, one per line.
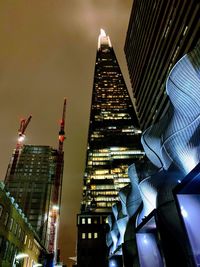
(62, 128)
(21, 136)
(21, 132)
(57, 188)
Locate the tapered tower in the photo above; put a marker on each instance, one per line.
(114, 135)
(113, 145)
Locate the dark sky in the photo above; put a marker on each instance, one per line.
(47, 52)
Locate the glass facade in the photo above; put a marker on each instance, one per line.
(114, 136)
(32, 183)
(159, 34)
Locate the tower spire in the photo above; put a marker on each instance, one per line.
(103, 40)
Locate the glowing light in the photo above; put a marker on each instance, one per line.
(189, 160)
(37, 264)
(179, 181)
(55, 207)
(102, 33)
(114, 148)
(21, 138)
(112, 263)
(103, 39)
(21, 256)
(145, 240)
(184, 212)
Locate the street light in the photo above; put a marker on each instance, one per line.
(18, 257)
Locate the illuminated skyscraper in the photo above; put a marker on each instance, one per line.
(113, 145)
(114, 136)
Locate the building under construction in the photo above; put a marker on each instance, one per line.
(34, 179)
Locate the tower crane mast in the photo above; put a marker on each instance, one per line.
(62, 127)
(57, 188)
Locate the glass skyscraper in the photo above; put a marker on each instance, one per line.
(113, 145)
(33, 178)
(114, 135)
(158, 35)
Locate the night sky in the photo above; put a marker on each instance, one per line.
(47, 52)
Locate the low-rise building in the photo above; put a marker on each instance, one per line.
(19, 244)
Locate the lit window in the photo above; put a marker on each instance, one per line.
(95, 235)
(89, 235)
(25, 239)
(93, 187)
(83, 220)
(89, 220)
(83, 235)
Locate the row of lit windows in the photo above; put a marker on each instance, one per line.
(97, 163)
(100, 118)
(99, 154)
(99, 158)
(107, 176)
(118, 131)
(96, 136)
(112, 108)
(118, 186)
(89, 235)
(97, 199)
(112, 115)
(111, 171)
(102, 187)
(89, 220)
(94, 160)
(127, 152)
(105, 193)
(104, 204)
(83, 221)
(114, 86)
(115, 96)
(102, 171)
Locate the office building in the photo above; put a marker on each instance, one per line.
(113, 145)
(159, 34)
(32, 184)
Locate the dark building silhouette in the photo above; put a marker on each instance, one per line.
(113, 145)
(159, 34)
